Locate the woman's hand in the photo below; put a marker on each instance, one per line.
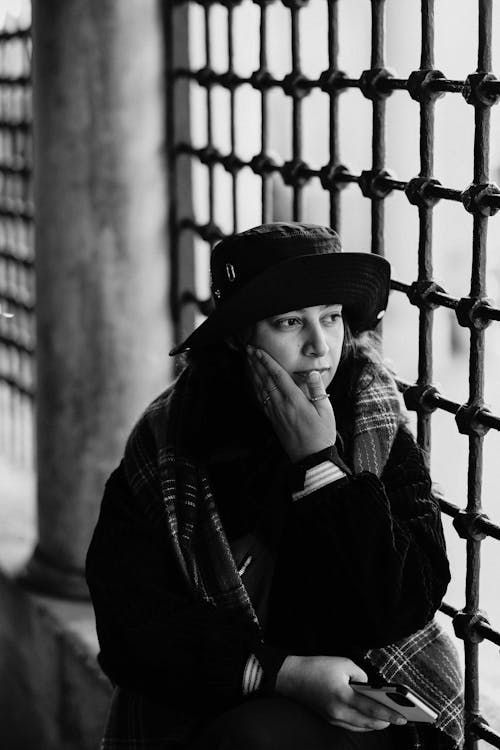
(302, 426)
(322, 683)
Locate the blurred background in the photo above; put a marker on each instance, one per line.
(130, 137)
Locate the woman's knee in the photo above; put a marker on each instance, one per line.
(243, 728)
(276, 723)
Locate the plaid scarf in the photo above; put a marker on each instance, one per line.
(426, 661)
(377, 415)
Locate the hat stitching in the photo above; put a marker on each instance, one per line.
(278, 235)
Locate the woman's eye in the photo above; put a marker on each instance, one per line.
(285, 323)
(332, 318)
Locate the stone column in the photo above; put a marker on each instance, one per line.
(101, 258)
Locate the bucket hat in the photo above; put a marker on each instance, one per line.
(283, 266)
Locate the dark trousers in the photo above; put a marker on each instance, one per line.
(276, 723)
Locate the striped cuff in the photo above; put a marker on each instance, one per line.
(252, 675)
(318, 476)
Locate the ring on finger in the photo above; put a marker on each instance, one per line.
(268, 395)
(312, 399)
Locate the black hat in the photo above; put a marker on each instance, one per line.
(277, 267)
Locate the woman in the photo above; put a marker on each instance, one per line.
(270, 534)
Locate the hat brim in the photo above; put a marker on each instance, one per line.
(358, 281)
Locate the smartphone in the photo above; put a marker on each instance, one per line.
(400, 698)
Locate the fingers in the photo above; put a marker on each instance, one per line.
(302, 427)
(365, 718)
(353, 727)
(269, 377)
(355, 673)
(262, 380)
(270, 371)
(367, 706)
(317, 392)
(346, 713)
(360, 723)
(263, 385)
(358, 711)
(361, 711)
(315, 385)
(374, 711)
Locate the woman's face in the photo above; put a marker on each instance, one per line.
(304, 340)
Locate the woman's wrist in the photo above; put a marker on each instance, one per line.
(301, 452)
(288, 677)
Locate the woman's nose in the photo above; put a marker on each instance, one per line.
(315, 343)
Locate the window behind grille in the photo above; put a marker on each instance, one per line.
(16, 235)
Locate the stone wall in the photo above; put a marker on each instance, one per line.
(52, 693)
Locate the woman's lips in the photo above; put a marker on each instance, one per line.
(304, 374)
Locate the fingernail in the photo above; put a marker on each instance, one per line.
(401, 721)
(258, 354)
(314, 376)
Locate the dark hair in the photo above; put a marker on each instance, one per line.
(360, 352)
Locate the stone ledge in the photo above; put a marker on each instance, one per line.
(53, 696)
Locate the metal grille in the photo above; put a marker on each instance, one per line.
(480, 90)
(16, 239)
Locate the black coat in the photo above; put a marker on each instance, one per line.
(360, 563)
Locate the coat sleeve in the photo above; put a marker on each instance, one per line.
(155, 637)
(372, 557)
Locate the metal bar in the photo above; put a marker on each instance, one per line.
(437, 191)
(21, 33)
(263, 72)
(19, 346)
(476, 374)
(16, 126)
(484, 525)
(434, 400)
(298, 201)
(484, 732)
(14, 302)
(179, 177)
(208, 65)
(425, 212)
(333, 123)
(484, 33)
(208, 232)
(444, 85)
(378, 126)
(25, 212)
(445, 300)
(427, 48)
(232, 113)
(15, 171)
(15, 80)
(451, 194)
(16, 386)
(7, 253)
(168, 23)
(484, 630)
